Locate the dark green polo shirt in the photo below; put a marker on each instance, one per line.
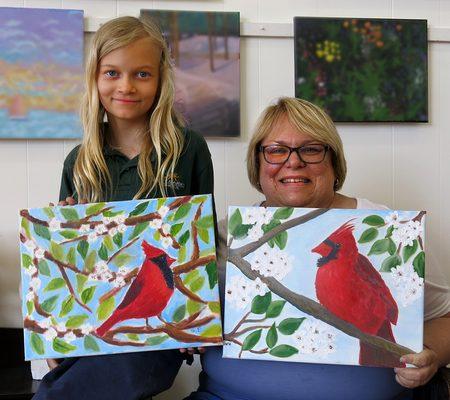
(193, 173)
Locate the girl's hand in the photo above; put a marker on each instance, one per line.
(193, 350)
(427, 364)
(52, 363)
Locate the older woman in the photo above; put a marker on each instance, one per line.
(296, 159)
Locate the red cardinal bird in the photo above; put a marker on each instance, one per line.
(349, 286)
(149, 293)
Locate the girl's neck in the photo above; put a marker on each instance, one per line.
(125, 136)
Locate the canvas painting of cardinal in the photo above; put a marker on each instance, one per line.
(116, 277)
(329, 286)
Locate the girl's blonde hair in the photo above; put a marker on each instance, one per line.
(163, 134)
(306, 117)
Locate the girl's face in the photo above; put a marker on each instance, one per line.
(128, 80)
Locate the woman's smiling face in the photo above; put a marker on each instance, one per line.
(294, 183)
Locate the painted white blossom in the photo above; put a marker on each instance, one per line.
(163, 210)
(93, 276)
(240, 291)
(393, 219)
(30, 245)
(123, 271)
(69, 337)
(39, 253)
(112, 231)
(107, 220)
(119, 282)
(61, 327)
(122, 228)
(30, 295)
(119, 219)
(45, 323)
(409, 285)
(255, 232)
(35, 283)
(407, 233)
(271, 262)
(315, 337)
(85, 228)
(155, 223)
(50, 334)
(100, 229)
(92, 237)
(54, 224)
(86, 329)
(165, 228)
(101, 266)
(31, 270)
(166, 241)
(106, 275)
(259, 216)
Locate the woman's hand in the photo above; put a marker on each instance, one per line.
(427, 364)
(193, 350)
(52, 362)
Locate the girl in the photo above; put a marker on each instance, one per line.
(142, 151)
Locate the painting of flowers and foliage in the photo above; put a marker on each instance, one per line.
(205, 48)
(119, 277)
(363, 70)
(329, 286)
(41, 65)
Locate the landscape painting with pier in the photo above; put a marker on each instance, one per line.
(41, 73)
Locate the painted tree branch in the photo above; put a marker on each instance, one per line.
(245, 330)
(194, 233)
(121, 249)
(183, 289)
(263, 351)
(33, 326)
(128, 277)
(192, 264)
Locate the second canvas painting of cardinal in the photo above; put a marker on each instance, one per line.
(119, 277)
(324, 286)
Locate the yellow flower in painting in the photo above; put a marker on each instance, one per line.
(319, 53)
(329, 58)
(328, 50)
(345, 24)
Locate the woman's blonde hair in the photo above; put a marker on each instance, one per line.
(306, 117)
(163, 134)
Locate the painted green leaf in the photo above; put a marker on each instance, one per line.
(36, 343)
(181, 254)
(419, 264)
(76, 321)
(211, 270)
(275, 308)
(390, 263)
(62, 347)
(160, 203)
(122, 259)
(30, 307)
(408, 251)
(69, 234)
(212, 331)
(190, 276)
(389, 231)
(205, 222)
(43, 268)
(49, 304)
(156, 340)
(87, 294)
(66, 306)
(214, 306)
(281, 240)
(373, 220)
(198, 199)
(368, 235)
(133, 336)
(193, 306)
(90, 343)
(54, 284)
(27, 261)
(81, 280)
(82, 248)
(260, 304)
(107, 241)
(118, 239)
(42, 231)
(71, 256)
(49, 212)
(179, 313)
(184, 238)
(105, 308)
(89, 262)
(272, 224)
(157, 236)
(289, 325)
(26, 226)
(283, 351)
(182, 211)
(207, 252)
(138, 229)
(94, 208)
(204, 235)
(57, 251)
(392, 247)
(241, 231)
(140, 208)
(283, 213)
(379, 247)
(197, 284)
(103, 252)
(111, 214)
(251, 340)
(272, 336)
(235, 221)
(175, 229)
(69, 213)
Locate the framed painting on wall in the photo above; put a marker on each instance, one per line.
(41, 69)
(119, 277)
(363, 70)
(324, 286)
(205, 50)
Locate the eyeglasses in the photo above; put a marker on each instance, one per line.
(309, 153)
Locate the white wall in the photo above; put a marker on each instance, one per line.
(406, 166)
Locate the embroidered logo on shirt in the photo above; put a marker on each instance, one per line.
(174, 183)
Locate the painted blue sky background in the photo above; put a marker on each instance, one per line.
(301, 239)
